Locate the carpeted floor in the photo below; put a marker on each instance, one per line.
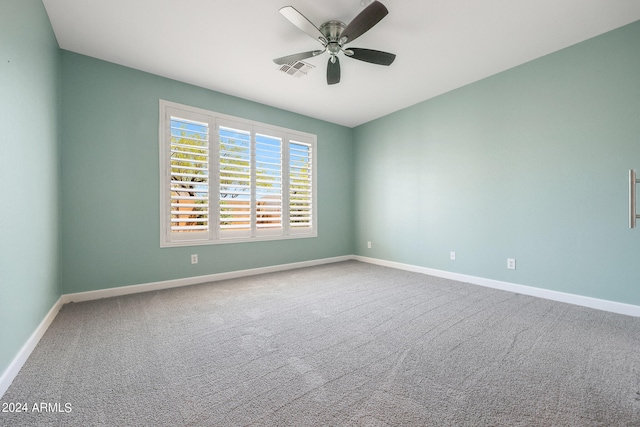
(345, 344)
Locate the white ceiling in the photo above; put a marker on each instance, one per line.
(229, 45)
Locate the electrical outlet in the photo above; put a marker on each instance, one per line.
(194, 258)
(511, 263)
(452, 256)
(369, 245)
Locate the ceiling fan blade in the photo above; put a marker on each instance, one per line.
(372, 56)
(297, 57)
(300, 21)
(366, 19)
(333, 71)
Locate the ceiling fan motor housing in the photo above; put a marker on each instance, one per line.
(332, 31)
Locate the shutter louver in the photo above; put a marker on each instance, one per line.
(189, 183)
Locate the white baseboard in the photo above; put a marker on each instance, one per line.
(167, 284)
(599, 304)
(16, 364)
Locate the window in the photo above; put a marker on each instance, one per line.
(226, 179)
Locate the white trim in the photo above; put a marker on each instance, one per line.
(215, 121)
(598, 304)
(16, 364)
(176, 283)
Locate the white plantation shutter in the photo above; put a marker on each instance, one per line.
(189, 175)
(185, 175)
(235, 164)
(268, 184)
(300, 186)
(225, 179)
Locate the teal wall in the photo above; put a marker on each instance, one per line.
(110, 181)
(29, 85)
(530, 164)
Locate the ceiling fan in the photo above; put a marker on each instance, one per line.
(335, 35)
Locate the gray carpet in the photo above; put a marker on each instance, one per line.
(345, 344)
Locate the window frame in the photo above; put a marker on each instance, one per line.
(214, 234)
